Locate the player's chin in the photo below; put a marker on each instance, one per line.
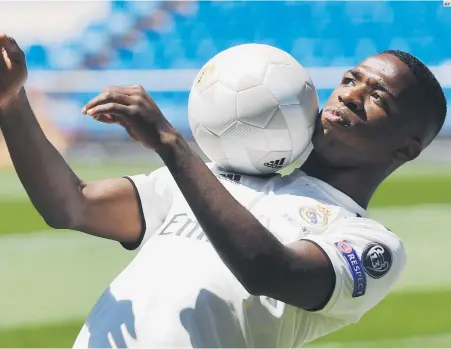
(328, 133)
(328, 128)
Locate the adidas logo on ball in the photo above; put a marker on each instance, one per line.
(275, 164)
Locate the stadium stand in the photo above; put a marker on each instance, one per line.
(162, 35)
(184, 35)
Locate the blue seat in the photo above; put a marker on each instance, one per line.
(36, 57)
(65, 57)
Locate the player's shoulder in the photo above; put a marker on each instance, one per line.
(367, 227)
(164, 176)
(240, 178)
(224, 175)
(380, 247)
(160, 174)
(368, 259)
(159, 178)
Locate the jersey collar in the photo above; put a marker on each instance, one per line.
(337, 196)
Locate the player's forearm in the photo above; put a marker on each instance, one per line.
(245, 245)
(51, 185)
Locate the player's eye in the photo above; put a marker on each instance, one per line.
(378, 99)
(347, 81)
(376, 96)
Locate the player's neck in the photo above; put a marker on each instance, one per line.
(358, 183)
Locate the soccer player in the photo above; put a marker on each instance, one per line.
(228, 260)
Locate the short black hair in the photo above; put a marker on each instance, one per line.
(430, 90)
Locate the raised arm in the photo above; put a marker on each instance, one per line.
(107, 208)
(300, 274)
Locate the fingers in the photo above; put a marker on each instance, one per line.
(112, 119)
(5, 62)
(11, 48)
(112, 109)
(106, 98)
(106, 118)
(129, 106)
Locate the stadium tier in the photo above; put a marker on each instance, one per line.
(153, 35)
(184, 35)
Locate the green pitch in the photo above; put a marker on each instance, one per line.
(51, 279)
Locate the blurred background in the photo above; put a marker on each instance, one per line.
(51, 279)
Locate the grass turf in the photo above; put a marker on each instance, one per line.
(399, 316)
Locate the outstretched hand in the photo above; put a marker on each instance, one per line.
(13, 70)
(132, 108)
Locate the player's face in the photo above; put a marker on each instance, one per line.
(363, 122)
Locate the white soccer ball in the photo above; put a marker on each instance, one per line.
(252, 109)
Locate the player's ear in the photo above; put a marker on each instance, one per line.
(409, 151)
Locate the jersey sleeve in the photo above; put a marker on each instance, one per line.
(154, 193)
(368, 260)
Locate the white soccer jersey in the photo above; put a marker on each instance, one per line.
(177, 292)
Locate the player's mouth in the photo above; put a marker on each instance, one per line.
(337, 117)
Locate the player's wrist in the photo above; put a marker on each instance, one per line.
(14, 103)
(169, 138)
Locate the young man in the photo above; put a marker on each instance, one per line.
(228, 260)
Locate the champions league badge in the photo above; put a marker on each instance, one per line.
(377, 260)
(355, 267)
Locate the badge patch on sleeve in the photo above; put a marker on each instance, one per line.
(355, 266)
(377, 260)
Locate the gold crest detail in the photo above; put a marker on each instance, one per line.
(205, 74)
(314, 216)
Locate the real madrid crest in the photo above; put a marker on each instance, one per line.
(314, 216)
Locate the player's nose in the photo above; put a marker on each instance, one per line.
(352, 98)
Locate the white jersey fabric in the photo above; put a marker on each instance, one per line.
(177, 292)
